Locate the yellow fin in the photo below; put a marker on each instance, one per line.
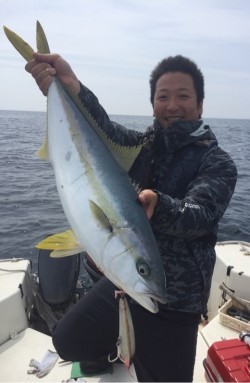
(41, 39)
(21, 46)
(43, 152)
(124, 155)
(65, 253)
(60, 241)
(42, 47)
(27, 52)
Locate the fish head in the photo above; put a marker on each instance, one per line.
(129, 265)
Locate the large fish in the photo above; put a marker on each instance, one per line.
(98, 198)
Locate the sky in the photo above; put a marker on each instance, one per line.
(113, 46)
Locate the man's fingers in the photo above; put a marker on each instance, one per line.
(49, 58)
(44, 85)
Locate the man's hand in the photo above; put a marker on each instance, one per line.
(45, 66)
(148, 199)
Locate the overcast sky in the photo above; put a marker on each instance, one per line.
(113, 45)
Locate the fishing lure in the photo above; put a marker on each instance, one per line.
(126, 339)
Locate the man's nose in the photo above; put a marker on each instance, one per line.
(172, 104)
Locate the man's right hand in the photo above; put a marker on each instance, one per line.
(44, 66)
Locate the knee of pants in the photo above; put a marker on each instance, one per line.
(63, 344)
(77, 349)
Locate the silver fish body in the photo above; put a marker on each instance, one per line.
(101, 204)
(98, 199)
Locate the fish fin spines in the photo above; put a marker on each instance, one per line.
(124, 155)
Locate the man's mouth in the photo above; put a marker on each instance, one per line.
(173, 118)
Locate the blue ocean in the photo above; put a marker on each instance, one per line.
(30, 207)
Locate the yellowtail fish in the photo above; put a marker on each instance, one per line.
(98, 198)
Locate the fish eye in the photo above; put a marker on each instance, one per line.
(143, 268)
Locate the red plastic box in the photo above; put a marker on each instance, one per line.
(228, 361)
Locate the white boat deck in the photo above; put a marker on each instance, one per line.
(19, 344)
(15, 356)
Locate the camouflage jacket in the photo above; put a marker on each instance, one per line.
(195, 180)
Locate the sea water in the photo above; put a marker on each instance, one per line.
(29, 204)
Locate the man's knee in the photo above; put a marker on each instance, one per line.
(63, 344)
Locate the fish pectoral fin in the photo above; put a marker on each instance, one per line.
(62, 242)
(65, 253)
(100, 216)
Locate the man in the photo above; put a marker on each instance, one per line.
(187, 181)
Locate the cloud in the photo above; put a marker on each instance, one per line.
(113, 47)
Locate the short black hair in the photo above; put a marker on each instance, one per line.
(182, 64)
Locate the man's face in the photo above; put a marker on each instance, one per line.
(175, 99)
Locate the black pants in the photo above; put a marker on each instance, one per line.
(165, 342)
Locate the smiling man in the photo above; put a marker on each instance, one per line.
(177, 90)
(175, 99)
(187, 181)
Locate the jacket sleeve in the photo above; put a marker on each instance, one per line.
(116, 132)
(205, 202)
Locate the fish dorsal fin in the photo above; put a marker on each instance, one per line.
(124, 155)
(64, 242)
(100, 216)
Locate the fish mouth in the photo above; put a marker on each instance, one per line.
(148, 302)
(148, 299)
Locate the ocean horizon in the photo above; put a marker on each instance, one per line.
(30, 206)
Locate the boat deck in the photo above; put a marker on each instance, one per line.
(19, 343)
(15, 356)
